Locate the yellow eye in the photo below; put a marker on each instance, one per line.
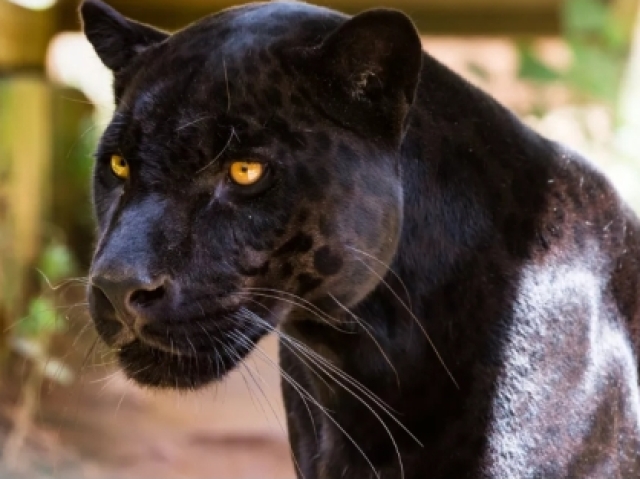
(120, 167)
(246, 173)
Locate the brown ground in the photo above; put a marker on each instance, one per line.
(105, 427)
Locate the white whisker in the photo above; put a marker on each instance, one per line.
(420, 325)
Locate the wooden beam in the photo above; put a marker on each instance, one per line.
(515, 17)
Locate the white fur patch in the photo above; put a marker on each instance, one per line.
(547, 387)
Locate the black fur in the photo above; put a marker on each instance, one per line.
(410, 234)
(117, 40)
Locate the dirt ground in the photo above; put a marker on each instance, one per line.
(104, 427)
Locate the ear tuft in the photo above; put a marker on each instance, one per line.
(115, 38)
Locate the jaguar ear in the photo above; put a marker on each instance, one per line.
(368, 69)
(115, 38)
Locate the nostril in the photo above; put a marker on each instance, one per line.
(144, 298)
(127, 297)
(100, 302)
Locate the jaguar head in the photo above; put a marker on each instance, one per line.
(249, 176)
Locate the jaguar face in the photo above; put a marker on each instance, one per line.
(249, 176)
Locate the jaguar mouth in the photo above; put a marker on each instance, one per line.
(183, 348)
(182, 353)
(156, 367)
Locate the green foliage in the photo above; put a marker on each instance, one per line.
(33, 332)
(41, 319)
(595, 72)
(56, 262)
(599, 45)
(532, 68)
(582, 16)
(76, 134)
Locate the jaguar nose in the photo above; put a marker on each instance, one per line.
(131, 298)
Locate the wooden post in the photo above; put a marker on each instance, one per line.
(24, 36)
(25, 151)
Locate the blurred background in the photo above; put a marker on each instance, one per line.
(569, 68)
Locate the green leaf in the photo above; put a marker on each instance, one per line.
(56, 262)
(533, 69)
(595, 72)
(41, 319)
(581, 16)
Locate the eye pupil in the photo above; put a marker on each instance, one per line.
(246, 173)
(120, 167)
